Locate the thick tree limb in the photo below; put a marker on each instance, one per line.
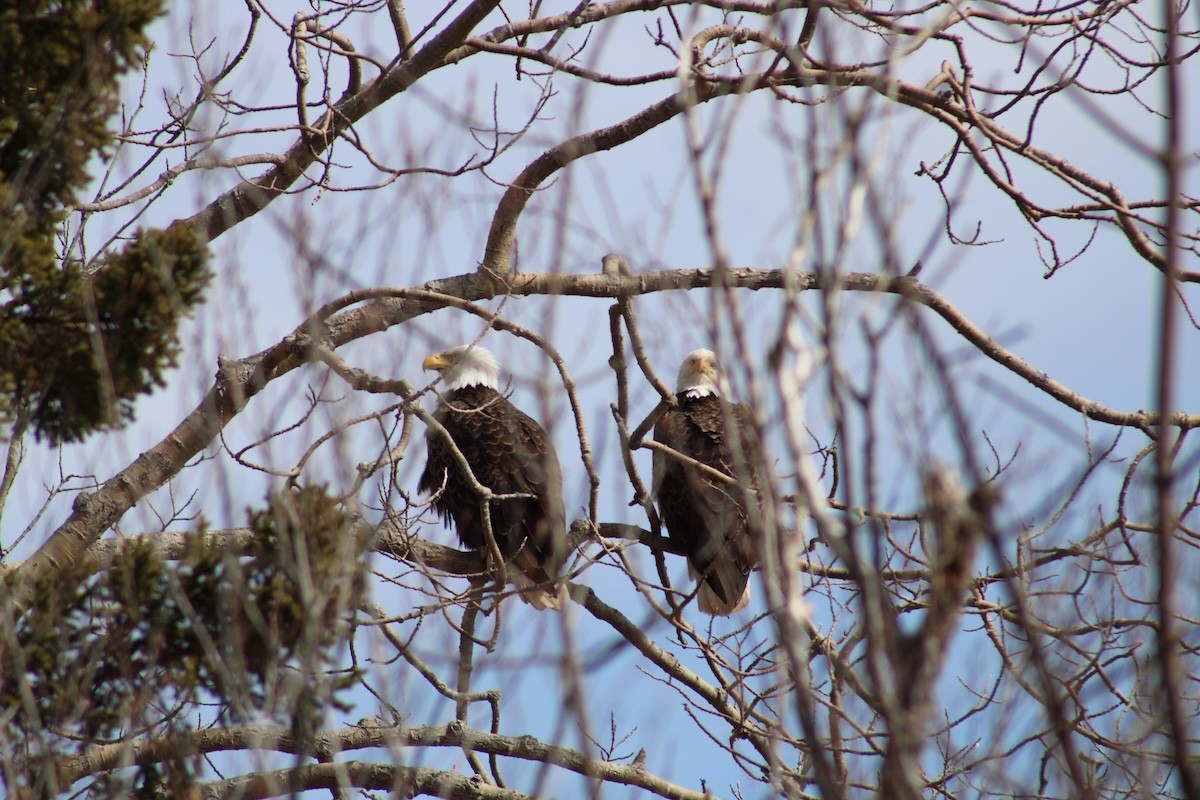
(368, 734)
(401, 781)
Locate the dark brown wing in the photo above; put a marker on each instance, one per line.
(705, 516)
(509, 453)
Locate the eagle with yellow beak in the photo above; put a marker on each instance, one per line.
(707, 517)
(508, 453)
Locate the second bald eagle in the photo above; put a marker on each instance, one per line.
(508, 453)
(707, 517)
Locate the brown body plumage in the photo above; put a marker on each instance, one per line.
(705, 516)
(509, 453)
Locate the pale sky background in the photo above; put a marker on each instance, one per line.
(1092, 326)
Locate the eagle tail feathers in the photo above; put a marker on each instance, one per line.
(541, 595)
(724, 579)
(535, 583)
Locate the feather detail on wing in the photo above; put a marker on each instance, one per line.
(706, 516)
(509, 453)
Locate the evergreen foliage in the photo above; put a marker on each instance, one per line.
(145, 640)
(81, 342)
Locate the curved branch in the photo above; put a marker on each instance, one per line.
(496, 254)
(496, 258)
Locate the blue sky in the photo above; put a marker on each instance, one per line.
(1092, 326)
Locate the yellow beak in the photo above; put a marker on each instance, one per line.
(437, 361)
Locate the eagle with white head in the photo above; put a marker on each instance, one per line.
(707, 517)
(509, 453)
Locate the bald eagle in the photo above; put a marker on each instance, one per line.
(705, 516)
(509, 453)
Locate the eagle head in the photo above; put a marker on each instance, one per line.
(465, 365)
(698, 374)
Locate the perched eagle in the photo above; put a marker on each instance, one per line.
(508, 453)
(704, 515)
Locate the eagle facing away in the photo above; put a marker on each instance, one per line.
(509, 453)
(705, 516)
